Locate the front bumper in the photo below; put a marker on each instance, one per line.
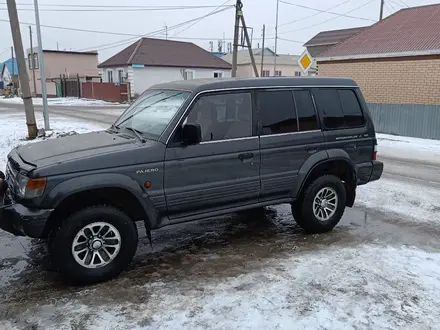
(369, 171)
(21, 220)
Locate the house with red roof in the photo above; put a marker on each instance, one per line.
(395, 61)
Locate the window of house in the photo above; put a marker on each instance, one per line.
(223, 116)
(30, 58)
(350, 106)
(305, 110)
(340, 108)
(265, 73)
(110, 76)
(36, 64)
(121, 76)
(188, 74)
(218, 74)
(278, 73)
(283, 120)
(297, 74)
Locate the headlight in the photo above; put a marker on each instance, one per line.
(30, 187)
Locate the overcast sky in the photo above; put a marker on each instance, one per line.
(140, 22)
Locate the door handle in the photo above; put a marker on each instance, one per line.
(311, 150)
(247, 155)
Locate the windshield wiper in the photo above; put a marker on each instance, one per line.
(137, 133)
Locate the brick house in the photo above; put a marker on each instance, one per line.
(395, 61)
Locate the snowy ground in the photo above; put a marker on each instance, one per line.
(61, 101)
(413, 200)
(367, 287)
(258, 272)
(13, 130)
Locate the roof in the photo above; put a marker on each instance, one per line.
(243, 57)
(408, 32)
(332, 37)
(11, 65)
(227, 83)
(168, 53)
(70, 52)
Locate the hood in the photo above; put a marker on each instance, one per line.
(85, 152)
(71, 147)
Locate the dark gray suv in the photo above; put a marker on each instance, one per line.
(190, 150)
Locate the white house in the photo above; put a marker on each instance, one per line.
(287, 65)
(152, 61)
(8, 70)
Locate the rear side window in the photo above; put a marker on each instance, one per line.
(276, 111)
(306, 111)
(350, 106)
(340, 108)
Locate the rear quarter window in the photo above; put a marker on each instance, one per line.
(340, 108)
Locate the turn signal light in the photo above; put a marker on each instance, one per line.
(35, 184)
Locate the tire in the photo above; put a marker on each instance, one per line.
(304, 213)
(87, 267)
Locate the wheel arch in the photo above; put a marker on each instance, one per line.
(337, 163)
(117, 190)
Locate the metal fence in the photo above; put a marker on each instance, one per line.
(415, 120)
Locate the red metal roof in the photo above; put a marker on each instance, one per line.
(159, 52)
(408, 30)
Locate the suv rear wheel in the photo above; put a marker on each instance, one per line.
(322, 205)
(94, 244)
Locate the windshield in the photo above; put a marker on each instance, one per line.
(152, 111)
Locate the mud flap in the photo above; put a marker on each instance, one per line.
(147, 228)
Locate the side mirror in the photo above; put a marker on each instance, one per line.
(191, 134)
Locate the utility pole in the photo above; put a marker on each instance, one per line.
(42, 71)
(13, 66)
(248, 41)
(382, 3)
(32, 61)
(22, 72)
(262, 50)
(238, 6)
(166, 31)
(57, 46)
(276, 41)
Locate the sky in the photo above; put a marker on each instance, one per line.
(296, 24)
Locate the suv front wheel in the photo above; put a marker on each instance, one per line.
(94, 244)
(322, 205)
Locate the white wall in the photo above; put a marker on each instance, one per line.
(144, 78)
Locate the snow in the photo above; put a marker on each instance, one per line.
(61, 101)
(14, 130)
(411, 201)
(362, 287)
(402, 147)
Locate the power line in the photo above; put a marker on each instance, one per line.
(313, 15)
(110, 7)
(400, 4)
(115, 9)
(218, 7)
(126, 41)
(326, 11)
(328, 20)
(289, 40)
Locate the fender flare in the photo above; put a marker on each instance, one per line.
(318, 159)
(76, 185)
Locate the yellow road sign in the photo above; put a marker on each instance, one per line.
(305, 61)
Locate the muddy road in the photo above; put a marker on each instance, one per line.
(214, 249)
